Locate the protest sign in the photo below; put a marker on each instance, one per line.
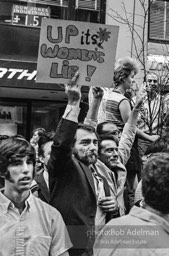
(69, 46)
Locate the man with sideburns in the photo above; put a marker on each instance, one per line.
(28, 226)
(77, 189)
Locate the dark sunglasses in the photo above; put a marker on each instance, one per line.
(152, 80)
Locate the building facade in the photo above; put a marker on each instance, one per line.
(25, 104)
(144, 31)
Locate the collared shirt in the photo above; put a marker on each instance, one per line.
(46, 177)
(100, 218)
(140, 233)
(138, 195)
(38, 231)
(116, 187)
(157, 107)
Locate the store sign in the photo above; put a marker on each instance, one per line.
(22, 75)
(28, 15)
(18, 74)
(69, 46)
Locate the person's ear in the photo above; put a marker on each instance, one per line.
(6, 175)
(122, 79)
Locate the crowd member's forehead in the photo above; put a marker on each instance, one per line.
(16, 157)
(108, 143)
(109, 127)
(152, 76)
(81, 134)
(16, 146)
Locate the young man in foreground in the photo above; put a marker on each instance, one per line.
(28, 226)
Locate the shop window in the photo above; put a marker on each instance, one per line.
(30, 14)
(13, 119)
(46, 115)
(86, 15)
(88, 4)
(20, 23)
(88, 10)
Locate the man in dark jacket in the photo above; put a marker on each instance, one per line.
(44, 145)
(77, 189)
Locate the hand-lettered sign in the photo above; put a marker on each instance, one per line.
(69, 46)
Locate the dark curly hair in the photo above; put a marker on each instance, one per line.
(12, 147)
(123, 69)
(155, 182)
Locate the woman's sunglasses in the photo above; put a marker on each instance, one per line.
(152, 80)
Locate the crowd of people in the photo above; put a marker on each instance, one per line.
(100, 187)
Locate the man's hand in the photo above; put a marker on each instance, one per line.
(73, 90)
(108, 204)
(140, 97)
(148, 87)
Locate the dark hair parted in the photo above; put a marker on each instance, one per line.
(86, 127)
(155, 182)
(106, 137)
(12, 147)
(100, 129)
(123, 69)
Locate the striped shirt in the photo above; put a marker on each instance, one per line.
(111, 108)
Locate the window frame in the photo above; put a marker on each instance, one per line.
(150, 39)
